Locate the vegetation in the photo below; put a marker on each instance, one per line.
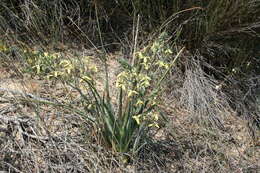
(129, 86)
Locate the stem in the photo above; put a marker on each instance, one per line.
(103, 56)
(167, 71)
(136, 37)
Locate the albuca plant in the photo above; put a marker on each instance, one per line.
(139, 84)
(55, 66)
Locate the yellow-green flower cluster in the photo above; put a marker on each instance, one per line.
(41, 62)
(157, 55)
(162, 64)
(151, 119)
(53, 65)
(156, 47)
(138, 81)
(83, 68)
(64, 68)
(132, 82)
(145, 60)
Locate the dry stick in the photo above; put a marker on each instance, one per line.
(167, 71)
(171, 65)
(135, 41)
(24, 94)
(83, 33)
(106, 92)
(12, 167)
(175, 14)
(135, 33)
(14, 120)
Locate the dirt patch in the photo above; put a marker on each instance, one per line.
(21, 85)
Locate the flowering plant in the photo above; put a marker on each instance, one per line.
(139, 84)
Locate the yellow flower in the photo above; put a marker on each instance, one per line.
(56, 55)
(146, 65)
(3, 48)
(139, 102)
(137, 118)
(69, 70)
(86, 78)
(68, 67)
(140, 55)
(30, 61)
(90, 106)
(45, 54)
(120, 84)
(145, 59)
(65, 63)
(57, 73)
(140, 87)
(145, 83)
(154, 125)
(131, 93)
(155, 116)
(86, 59)
(49, 76)
(144, 80)
(122, 75)
(155, 47)
(144, 77)
(166, 66)
(168, 51)
(162, 64)
(93, 68)
(38, 68)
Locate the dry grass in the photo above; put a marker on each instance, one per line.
(36, 137)
(211, 109)
(202, 96)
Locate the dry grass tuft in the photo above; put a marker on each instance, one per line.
(201, 95)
